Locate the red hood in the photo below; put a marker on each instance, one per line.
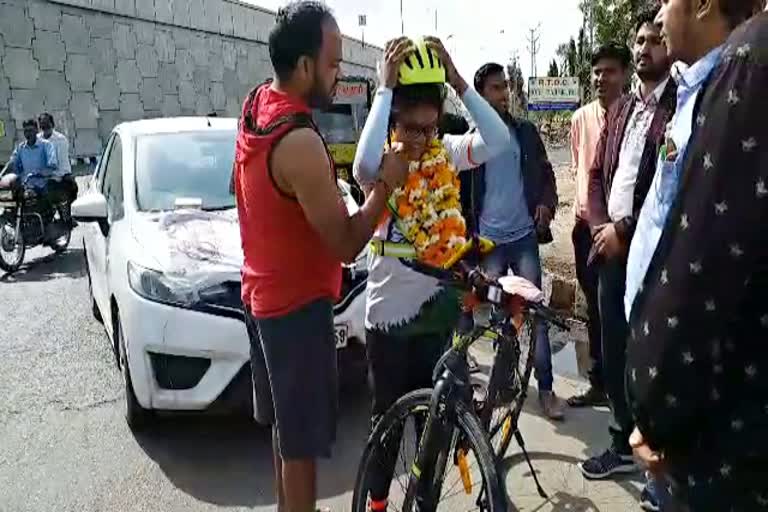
(268, 105)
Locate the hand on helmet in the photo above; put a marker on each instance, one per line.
(454, 78)
(395, 52)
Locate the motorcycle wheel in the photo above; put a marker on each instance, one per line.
(12, 248)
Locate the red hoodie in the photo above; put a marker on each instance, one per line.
(287, 265)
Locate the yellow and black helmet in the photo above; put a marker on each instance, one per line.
(422, 66)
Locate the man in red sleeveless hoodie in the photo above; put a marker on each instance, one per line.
(295, 233)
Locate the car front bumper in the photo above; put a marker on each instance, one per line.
(187, 359)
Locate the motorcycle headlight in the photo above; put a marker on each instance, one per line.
(158, 287)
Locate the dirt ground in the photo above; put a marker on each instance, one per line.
(558, 256)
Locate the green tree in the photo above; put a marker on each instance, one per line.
(553, 69)
(519, 102)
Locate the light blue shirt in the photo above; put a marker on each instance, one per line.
(665, 184)
(39, 158)
(504, 217)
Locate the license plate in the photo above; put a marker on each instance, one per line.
(342, 335)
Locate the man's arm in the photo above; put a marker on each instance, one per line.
(713, 242)
(548, 196)
(63, 159)
(575, 141)
(598, 209)
(14, 163)
(51, 161)
(300, 165)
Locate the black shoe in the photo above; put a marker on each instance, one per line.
(593, 397)
(606, 464)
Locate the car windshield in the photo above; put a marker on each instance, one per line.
(336, 124)
(190, 167)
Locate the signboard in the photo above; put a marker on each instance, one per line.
(362, 20)
(351, 93)
(553, 93)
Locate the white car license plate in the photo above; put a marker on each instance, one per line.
(342, 335)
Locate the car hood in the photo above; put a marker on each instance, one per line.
(199, 247)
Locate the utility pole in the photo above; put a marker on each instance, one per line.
(402, 23)
(533, 46)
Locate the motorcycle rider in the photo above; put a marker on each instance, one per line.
(66, 189)
(35, 157)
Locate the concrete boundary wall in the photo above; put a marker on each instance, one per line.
(95, 63)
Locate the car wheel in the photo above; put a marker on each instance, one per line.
(94, 307)
(137, 417)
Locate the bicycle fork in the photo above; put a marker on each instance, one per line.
(426, 477)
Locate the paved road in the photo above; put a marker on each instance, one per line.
(64, 445)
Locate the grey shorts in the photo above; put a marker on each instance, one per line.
(293, 362)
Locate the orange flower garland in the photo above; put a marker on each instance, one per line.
(428, 206)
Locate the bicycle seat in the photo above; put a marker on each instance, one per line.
(516, 285)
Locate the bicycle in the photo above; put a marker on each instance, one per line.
(448, 422)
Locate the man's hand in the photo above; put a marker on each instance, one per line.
(543, 216)
(395, 52)
(454, 78)
(606, 241)
(653, 460)
(394, 167)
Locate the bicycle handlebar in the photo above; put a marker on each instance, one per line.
(548, 316)
(465, 276)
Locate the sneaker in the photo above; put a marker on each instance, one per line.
(606, 464)
(592, 397)
(551, 406)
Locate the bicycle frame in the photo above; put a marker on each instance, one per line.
(452, 385)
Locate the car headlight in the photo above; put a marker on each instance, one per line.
(158, 287)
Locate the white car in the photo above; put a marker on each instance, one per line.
(163, 256)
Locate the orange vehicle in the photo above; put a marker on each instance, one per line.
(342, 123)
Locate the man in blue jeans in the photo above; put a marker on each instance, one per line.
(511, 200)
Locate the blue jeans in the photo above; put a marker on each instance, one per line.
(522, 256)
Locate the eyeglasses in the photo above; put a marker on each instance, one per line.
(414, 131)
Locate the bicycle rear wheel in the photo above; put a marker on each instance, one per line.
(507, 393)
(470, 480)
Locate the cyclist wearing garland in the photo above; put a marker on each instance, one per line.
(409, 315)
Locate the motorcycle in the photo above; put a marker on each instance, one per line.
(29, 218)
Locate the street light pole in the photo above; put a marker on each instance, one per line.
(402, 23)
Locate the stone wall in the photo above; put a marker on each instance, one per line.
(95, 63)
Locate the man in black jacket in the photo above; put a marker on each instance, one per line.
(511, 200)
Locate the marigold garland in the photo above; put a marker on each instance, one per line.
(428, 206)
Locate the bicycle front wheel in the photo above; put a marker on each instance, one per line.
(469, 480)
(507, 403)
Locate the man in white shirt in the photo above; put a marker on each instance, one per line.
(66, 186)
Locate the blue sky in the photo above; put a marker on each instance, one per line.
(482, 30)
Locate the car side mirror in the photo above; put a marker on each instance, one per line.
(92, 207)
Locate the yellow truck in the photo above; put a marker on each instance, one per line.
(342, 123)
